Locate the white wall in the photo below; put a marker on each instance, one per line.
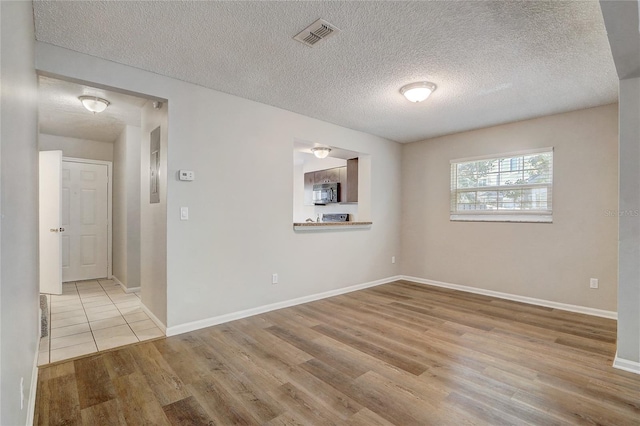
(134, 137)
(221, 260)
(19, 326)
(153, 217)
(77, 148)
(545, 261)
(312, 163)
(629, 261)
(621, 19)
(126, 207)
(300, 211)
(120, 208)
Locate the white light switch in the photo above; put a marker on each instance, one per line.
(184, 213)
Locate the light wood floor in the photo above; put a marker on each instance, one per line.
(401, 354)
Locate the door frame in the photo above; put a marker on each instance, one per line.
(109, 165)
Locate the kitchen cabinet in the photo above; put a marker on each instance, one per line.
(309, 180)
(347, 176)
(319, 176)
(328, 175)
(343, 184)
(351, 183)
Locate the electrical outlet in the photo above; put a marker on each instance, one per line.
(22, 393)
(274, 279)
(393, 259)
(593, 283)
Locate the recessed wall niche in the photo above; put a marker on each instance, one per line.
(349, 169)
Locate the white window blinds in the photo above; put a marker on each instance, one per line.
(514, 187)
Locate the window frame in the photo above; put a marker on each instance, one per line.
(532, 216)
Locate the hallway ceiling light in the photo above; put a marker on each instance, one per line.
(418, 92)
(321, 151)
(94, 104)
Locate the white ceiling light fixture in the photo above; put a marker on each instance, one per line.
(321, 151)
(94, 103)
(418, 92)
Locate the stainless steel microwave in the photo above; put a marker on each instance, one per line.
(326, 193)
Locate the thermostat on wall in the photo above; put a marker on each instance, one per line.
(186, 175)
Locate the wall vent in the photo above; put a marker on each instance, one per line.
(319, 30)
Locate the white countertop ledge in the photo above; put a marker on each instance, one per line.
(329, 226)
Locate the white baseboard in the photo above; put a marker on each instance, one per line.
(155, 319)
(208, 322)
(124, 288)
(31, 405)
(626, 365)
(514, 297)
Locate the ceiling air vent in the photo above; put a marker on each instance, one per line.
(316, 32)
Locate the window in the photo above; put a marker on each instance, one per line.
(515, 187)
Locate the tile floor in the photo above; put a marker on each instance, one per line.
(91, 316)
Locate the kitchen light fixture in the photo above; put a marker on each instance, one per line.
(321, 151)
(94, 103)
(418, 92)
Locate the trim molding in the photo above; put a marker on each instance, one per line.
(124, 288)
(626, 365)
(154, 318)
(208, 322)
(31, 405)
(515, 297)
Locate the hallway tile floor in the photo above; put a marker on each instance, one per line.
(91, 316)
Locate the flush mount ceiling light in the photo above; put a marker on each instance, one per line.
(418, 92)
(94, 104)
(321, 151)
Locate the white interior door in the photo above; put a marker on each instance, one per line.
(85, 221)
(50, 223)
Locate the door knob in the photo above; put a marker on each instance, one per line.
(53, 230)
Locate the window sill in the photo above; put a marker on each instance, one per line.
(526, 218)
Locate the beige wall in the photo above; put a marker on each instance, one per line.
(153, 217)
(621, 20)
(134, 138)
(120, 208)
(629, 249)
(19, 327)
(126, 207)
(76, 148)
(546, 261)
(240, 229)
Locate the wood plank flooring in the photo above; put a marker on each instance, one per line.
(397, 354)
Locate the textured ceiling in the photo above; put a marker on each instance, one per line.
(60, 112)
(493, 61)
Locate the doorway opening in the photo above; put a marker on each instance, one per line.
(94, 197)
(75, 193)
